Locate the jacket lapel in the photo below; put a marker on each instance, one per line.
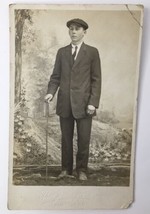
(69, 55)
(81, 55)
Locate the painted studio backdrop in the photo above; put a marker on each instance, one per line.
(37, 144)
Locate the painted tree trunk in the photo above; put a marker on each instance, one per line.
(18, 68)
(20, 16)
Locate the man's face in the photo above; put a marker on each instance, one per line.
(76, 33)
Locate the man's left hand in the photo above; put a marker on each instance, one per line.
(90, 109)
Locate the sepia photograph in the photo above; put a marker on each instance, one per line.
(74, 90)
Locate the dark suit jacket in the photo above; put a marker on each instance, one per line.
(79, 83)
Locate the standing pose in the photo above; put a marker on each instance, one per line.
(77, 74)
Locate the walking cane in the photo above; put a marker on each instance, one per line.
(46, 114)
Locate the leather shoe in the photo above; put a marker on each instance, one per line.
(63, 174)
(82, 176)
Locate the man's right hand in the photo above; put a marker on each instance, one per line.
(48, 98)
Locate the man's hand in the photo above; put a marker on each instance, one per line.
(48, 98)
(90, 109)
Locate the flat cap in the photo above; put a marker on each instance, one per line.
(79, 22)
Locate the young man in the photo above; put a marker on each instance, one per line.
(77, 74)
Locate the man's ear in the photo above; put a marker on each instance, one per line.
(85, 31)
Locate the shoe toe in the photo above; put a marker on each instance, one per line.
(82, 176)
(63, 174)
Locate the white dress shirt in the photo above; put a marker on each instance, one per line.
(73, 49)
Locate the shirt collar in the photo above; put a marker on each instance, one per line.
(79, 45)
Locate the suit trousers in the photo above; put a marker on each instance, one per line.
(83, 139)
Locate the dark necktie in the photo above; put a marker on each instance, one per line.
(74, 53)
